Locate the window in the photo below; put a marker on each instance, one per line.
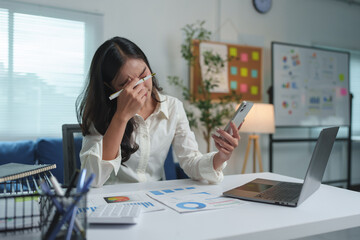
(45, 56)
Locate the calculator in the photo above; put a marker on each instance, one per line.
(116, 214)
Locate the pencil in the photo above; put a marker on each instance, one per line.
(115, 95)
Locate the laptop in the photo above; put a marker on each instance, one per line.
(289, 193)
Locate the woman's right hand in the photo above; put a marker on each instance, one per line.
(130, 100)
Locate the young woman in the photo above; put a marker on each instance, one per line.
(127, 139)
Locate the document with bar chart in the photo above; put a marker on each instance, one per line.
(191, 199)
(137, 198)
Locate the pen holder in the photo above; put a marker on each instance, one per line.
(63, 217)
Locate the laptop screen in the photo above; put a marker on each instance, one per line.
(318, 162)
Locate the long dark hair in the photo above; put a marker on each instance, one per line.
(93, 105)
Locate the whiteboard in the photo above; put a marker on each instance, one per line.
(310, 86)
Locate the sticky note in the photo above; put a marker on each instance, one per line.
(243, 88)
(233, 52)
(254, 90)
(233, 85)
(341, 77)
(244, 72)
(233, 70)
(254, 73)
(244, 57)
(255, 56)
(343, 91)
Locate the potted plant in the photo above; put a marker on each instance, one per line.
(203, 112)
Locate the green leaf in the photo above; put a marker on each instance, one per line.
(211, 114)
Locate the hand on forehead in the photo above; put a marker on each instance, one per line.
(133, 68)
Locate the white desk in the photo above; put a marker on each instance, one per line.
(328, 209)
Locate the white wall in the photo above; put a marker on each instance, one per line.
(155, 25)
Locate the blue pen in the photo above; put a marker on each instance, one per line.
(45, 187)
(66, 217)
(83, 190)
(63, 220)
(71, 224)
(81, 180)
(88, 182)
(59, 191)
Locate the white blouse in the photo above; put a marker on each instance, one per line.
(167, 125)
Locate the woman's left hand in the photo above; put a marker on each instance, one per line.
(226, 144)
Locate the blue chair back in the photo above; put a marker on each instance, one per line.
(172, 169)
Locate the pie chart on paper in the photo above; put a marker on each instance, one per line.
(116, 199)
(191, 205)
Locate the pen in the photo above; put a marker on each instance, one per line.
(81, 180)
(60, 210)
(115, 95)
(68, 214)
(71, 224)
(56, 185)
(72, 183)
(87, 183)
(59, 191)
(46, 189)
(84, 189)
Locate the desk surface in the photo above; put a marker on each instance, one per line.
(328, 209)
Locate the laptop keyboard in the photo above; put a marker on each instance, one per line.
(282, 192)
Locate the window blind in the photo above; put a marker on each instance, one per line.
(44, 60)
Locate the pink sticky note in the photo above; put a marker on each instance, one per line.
(244, 57)
(343, 91)
(243, 88)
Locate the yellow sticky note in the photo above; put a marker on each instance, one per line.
(244, 72)
(233, 52)
(254, 90)
(255, 56)
(341, 77)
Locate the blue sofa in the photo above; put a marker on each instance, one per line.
(40, 151)
(50, 151)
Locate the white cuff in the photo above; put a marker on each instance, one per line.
(116, 163)
(207, 170)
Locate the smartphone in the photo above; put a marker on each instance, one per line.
(239, 115)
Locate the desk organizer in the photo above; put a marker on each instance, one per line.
(62, 217)
(20, 205)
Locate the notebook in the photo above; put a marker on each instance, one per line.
(288, 193)
(12, 171)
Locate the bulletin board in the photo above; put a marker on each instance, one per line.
(243, 72)
(310, 86)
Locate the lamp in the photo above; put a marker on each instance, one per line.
(260, 119)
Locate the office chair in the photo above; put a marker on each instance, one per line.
(72, 146)
(72, 141)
